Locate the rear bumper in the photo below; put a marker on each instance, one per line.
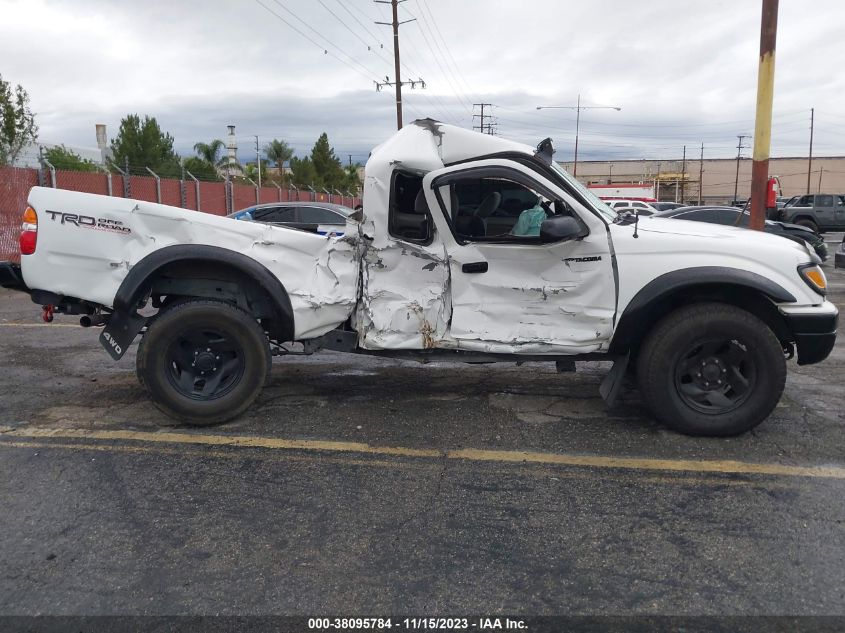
(11, 277)
(814, 333)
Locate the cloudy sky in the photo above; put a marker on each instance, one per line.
(683, 72)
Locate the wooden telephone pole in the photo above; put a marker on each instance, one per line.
(394, 4)
(763, 120)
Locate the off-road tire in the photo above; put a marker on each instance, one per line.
(676, 394)
(238, 358)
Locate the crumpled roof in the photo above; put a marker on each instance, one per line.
(426, 144)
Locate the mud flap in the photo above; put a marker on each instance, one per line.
(121, 330)
(612, 383)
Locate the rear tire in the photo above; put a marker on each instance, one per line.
(203, 362)
(711, 369)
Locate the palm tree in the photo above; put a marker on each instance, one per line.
(279, 152)
(210, 152)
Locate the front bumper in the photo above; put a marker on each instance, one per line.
(11, 277)
(814, 332)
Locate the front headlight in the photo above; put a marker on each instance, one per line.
(813, 276)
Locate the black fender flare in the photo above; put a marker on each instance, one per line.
(639, 314)
(135, 284)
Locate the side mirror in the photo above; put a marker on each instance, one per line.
(560, 228)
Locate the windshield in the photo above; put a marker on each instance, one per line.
(597, 203)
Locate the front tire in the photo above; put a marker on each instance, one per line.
(203, 362)
(711, 369)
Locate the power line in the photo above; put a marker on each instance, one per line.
(326, 47)
(345, 7)
(345, 25)
(484, 128)
(446, 46)
(397, 83)
(434, 54)
(325, 50)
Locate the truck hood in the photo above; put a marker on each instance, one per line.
(719, 237)
(665, 245)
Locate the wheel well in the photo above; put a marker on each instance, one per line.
(223, 282)
(804, 216)
(634, 326)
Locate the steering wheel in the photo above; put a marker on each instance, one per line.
(488, 205)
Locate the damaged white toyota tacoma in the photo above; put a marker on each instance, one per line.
(469, 248)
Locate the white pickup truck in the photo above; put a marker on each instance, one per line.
(469, 248)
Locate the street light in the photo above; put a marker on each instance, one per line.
(578, 109)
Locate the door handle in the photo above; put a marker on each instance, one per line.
(474, 267)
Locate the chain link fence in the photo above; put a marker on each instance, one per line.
(15, 183)
(217, 198)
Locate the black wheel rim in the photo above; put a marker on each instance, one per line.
(204, 363)
(715, 376)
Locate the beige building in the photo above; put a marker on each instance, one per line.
(679, 181)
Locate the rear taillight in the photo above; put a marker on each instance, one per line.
(29, 231)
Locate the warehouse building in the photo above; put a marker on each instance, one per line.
(679, 180)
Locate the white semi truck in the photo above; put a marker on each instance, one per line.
(469, 248)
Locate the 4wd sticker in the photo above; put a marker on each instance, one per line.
(114, 344)
(90, 222)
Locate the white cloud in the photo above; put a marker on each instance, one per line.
(198, 65)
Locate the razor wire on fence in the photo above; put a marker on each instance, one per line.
(214, 197)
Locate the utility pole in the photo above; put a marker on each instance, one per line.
(700, 173)
(683, 174)
(821, 171)
(810, 161)
(739, 149)
(398, 78)
(657, 183)
(578, 107)
(481, 127)
(763, 117)
(258, 160)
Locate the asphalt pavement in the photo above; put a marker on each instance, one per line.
(364, 486)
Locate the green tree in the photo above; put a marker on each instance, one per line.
(17, 122)
(210, 152)
(351, 181)
(144, 144)
(201, 169)
(61, 157)
(303, 172)
(326, 164)
(278, 152)
(250, 171)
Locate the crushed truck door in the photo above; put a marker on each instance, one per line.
(510, 290)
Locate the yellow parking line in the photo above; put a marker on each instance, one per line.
(467, 454)
(76, 325)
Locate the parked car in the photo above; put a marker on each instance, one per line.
(322, 218)
(731, 216)
(634, 206)
(666, 206)
(820, 212)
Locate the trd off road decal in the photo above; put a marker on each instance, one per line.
(90, 222)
